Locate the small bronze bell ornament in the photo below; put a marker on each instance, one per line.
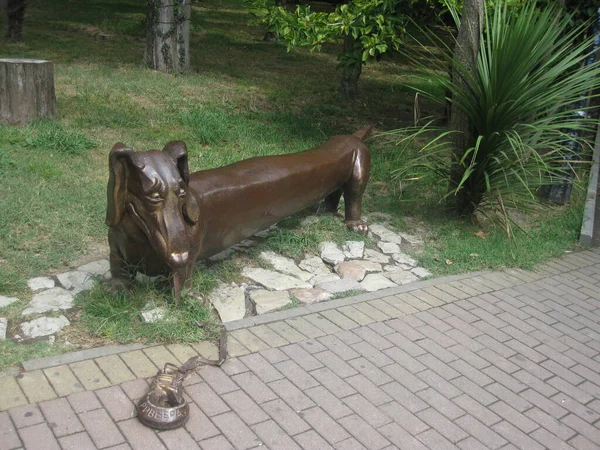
(164, 407)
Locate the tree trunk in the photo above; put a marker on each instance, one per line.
(465, 59)
(168, 35)
(351, 72)
(26, 90)
(15, 14)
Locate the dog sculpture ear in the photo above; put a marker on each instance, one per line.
(177, 150)
(117, 183)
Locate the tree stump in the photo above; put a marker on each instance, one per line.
(26, 90)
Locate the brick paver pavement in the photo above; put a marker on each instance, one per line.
(497, 360)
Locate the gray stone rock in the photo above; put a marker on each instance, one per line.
(376, 257)
(342, 285)
(3, 327)
(392, 268)
(53, 299)
(222, 255)
(318, 279)
(331, 253)
(100, 268)
(229, 301)
(401, 277)
(308, 221)
(350, 269)
(275, 281)
(370, 266)
(153, 315)
(44, 326)
(403, 258)
(40, 283)
(76, 281)
(388, 247)
(314, 265)
(5, 301)
(244, 245)
(308, 296)
(266, 301)
(266, 233)
(285, 265)
(421, 272)
(354, 249)
(375, 282)
(385, 234)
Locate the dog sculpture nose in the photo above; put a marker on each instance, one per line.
(178, 259)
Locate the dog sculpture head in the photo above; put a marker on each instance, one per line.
(151, 190)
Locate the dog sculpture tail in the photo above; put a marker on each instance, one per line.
(363, 132)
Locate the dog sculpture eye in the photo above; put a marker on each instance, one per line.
(181, 192)
(155, 197)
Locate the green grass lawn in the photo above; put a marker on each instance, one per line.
(244, 97)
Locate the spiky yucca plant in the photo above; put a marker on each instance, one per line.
(519, 102)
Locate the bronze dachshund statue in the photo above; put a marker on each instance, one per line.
(162, 219)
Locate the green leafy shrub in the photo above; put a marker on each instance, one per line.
(519, 102)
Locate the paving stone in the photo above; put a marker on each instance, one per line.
(54, 299)
(314, 265)
(35, 386)
(274, 280)
(199, 425)
(89, 375)
(63, 380)
(38, 437)
(400, 437)
(442, 425)
(350, 269)
(101, 428)
(342, 285)
(216, 443)
(376, 257)
(285, 265)
(159, 355)
(178, 439)
(79, 441)
(249, 340)
(135, 389)
(229, 301)
(76, 281)
(115, 369)
(363, 432)
(267, 301)
(354, 249)
(44, 326)
(331, 253)
(139, 436)
(325, 425)
(26, 415)
(274, 437)
(385, 234)
(236, 431)
(309, 296)
(84, 401)
(3, 326)
(9, 438)
(291, 395)
(6, 301)
(139, 364)
(208, 401)
(61, 416)
(118, 405)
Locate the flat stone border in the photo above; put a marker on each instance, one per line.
(326, 305)
(81, 355)
(589, 212)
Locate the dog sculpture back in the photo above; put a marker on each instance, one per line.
(162, 219)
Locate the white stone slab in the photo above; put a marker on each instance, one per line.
(44, 326)
(100, 268)
(308, 296)
(331, 253)
(272, 280)
(388, 247)
(3, 327)
(76, 281)
(342, 285)
(285, 265)
(376, 257)
(403, 258)
(351, 269)
(354, 249)
(229, 301)
(314, 265)
(375, 282)
(53, 299)
(5, 301)
(385, 234)
(421, 272)
(40, 283)
(153, 315)
(266, 301)
(401, 277)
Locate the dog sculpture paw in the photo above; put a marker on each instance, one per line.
(357, 225)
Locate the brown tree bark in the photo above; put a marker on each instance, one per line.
(168, 35)
(465, 59)
(15, 15)
(26, 90)
(352, 72)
